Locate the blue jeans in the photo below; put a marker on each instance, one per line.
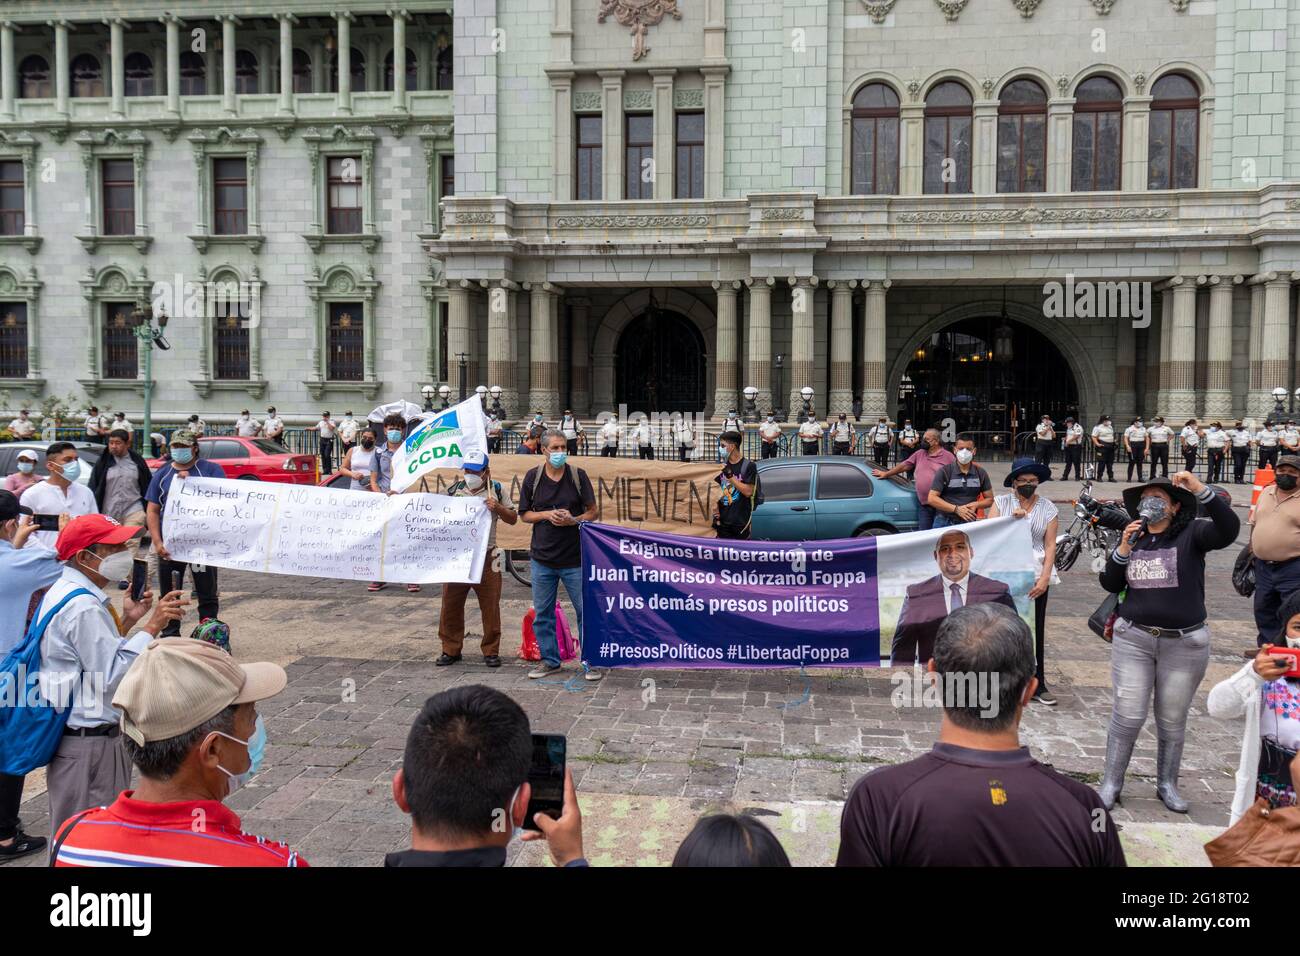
(1273, 582)
(925, 517)
(942, 519)
(546, 590)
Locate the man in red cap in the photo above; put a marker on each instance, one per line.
(84, 656)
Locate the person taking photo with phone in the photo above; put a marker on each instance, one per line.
(59, 494)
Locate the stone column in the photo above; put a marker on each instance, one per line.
(8, 70)
(500, 366)
(1060, 138)
(911, 149)
(1134, 142)
(1182, 352)
(543, 369)
(1218, 377)
(562, 128)
(726, 388)
(715, 80)
(460, 333)
(664, 134)
(875, 400)
(228, 101)
(984, 149)
(173, 64)
(760, 341)
(117, 102)
(1275, 352)
(1125, 352)
(1166, 337)
(286, 64)
(579, 358)
(840, 397)
(802, 356)
(1151, 384)
(1254, 383)
(344, 32)
(611, 127)
(61, 67)
(399, 60)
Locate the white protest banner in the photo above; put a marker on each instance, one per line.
(326, 533)
(446, 439)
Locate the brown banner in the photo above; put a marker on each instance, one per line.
(672, 496)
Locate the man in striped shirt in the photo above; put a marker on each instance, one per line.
(190, 726)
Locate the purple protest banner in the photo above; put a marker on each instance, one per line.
(664, 600)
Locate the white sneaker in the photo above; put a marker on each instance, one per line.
(544, 670)
(592, 675)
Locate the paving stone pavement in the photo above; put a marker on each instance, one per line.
(652, 750)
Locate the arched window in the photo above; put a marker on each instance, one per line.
(412, 71)
(139, 74)
(1022, 138)
(194, 74)
(1098, 133)
(34, 78)
(443, 69)
(87, 76)
(301, 72)
(874, 151)
(1175, 130)
(948, 119)
(245, 71)
(357, 68)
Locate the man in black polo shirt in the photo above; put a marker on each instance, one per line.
(464, 781)
(554, 498)
(978, 798)
(961, 488)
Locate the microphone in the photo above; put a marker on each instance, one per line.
(1151, 509)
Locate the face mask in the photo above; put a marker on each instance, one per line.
(473, 482)
(256, 745)
(1286, 482)
(115, 567)
(1214, 428)
(27, 467)
(1155, 506)
(1027, 491)
(394, 435)
(182, 456)
(367, 443)
(965, 455)
(71, 470)
(1292, 641)
(558, 458)
(1137, 424)
(770, 420)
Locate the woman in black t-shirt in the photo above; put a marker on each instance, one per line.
(1161, 641)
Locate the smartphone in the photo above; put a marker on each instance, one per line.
(175, 580)
(46, 522)
(546, 777)
(1286, 655)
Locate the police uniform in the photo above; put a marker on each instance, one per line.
(609, 438)
(810, 436)
(1266, 440)
(770, 433)
(685, 438)
(1135, 438)
(1290, 439)
(1073, 450)
(841, 436)
(1241, 439)
(1191, 440)
(1103, 436)
(1160, 435)
(1216, 440)
(907, 439)
(571, 428)
(1044, 438)
(733, 424)
(880, 435)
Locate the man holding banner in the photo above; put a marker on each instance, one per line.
(555, 498)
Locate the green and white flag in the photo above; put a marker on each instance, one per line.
(445, 439)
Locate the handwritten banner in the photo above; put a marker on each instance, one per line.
(327, 533)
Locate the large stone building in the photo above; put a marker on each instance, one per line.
(977, 209)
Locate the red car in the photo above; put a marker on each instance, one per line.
(255, 459)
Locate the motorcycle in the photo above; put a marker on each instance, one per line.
(1097, 526)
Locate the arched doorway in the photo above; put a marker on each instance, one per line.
(991, 375)
(660, 363)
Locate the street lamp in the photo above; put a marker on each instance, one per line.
(776, 396)
(481, 392)
(807, 393)
(497, 410)
(142, 319)
(444, 392)
(428, 392)
(1279, 395)
(751, 403)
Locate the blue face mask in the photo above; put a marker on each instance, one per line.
(27, 467)
(394, 435)
(182, 456)
(558, 458)
(71, 469)
(256, 745)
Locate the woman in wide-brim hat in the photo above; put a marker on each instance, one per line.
(1161, 638)
(1024, 501)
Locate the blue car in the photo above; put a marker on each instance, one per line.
(829, 496)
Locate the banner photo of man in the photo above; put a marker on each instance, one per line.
(668, 600)
(445, 439)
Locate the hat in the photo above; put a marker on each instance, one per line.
(178, 683)
(1026, 466)
(1292, 460)
(475, 467)
(10, 508)
(28, 454)
(1133, 495)
(183, 436)
(82, 532)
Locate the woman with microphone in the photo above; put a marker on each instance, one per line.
(1161, 641)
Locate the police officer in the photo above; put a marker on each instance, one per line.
(770, 433)
(843, 438)
(1241, 441)
(1044, 439)
(1290, 438)
(810, 434)
(880, 435)
(1073, 449)
(1266, 442)
(1190, 438)
(1103, 445)
(732, 422)
(1216, 440)
(683, 436)
(609, 434)
(908, 437)
(571, 428)
(1135, 443)
(1158, 438)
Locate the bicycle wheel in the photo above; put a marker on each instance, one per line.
(1067, 553)
(519, 569)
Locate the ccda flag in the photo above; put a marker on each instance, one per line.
(447, 439)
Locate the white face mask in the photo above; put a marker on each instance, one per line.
(1292, 641)
(965, 455)
(473, 482)
(116, 567)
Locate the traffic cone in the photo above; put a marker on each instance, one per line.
(1263, 478)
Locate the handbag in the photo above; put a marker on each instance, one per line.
(1243, 572)
(1102, 620)
(1262, 837)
